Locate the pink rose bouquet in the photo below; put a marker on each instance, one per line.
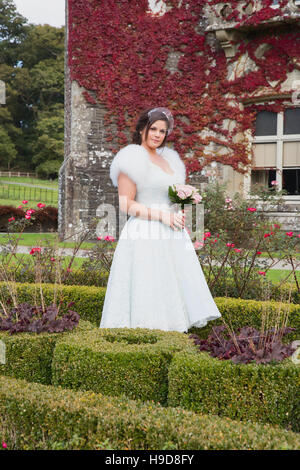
(184, 194)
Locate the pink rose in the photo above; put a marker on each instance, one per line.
(181, 194)
(187, 189)
(197, 198)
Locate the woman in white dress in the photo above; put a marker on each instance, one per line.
(156, 280)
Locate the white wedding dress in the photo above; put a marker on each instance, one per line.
(156, 280)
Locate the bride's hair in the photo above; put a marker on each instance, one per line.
(146, 121)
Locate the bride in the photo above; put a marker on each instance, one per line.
(156, 280)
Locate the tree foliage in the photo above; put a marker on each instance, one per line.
(32, 67)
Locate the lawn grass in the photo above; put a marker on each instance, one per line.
(31, 204)
(276, 275)
(65, 260)
(264, 254)
(40, 239)
(34, 195)
(32, 181)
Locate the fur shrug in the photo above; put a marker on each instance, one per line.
(134, 161)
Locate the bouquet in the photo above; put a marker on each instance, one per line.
(184, 194)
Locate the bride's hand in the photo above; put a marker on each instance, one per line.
(175, 220)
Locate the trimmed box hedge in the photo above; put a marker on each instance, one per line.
(88, 299)
(99, 279)
(40, 417)
(118, 361)
(29, 355)
(264, 393)
(75, 277)
(240, 312)
(89, 303)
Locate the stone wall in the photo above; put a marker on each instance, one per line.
(85, 188)
(86, 191)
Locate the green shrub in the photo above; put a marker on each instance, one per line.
(228, 289)
(88, 299)
(89, 302)
(29, 355)
(34, 416)
(240, 312)
(76, 276)
(117, 361)
(99, 279)
(251, 392)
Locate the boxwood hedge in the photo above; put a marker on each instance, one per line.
(118, 361)
(99, 278)
(88, 300)
(29, 355)
(265, 393)
(89, 303)
(35, 416)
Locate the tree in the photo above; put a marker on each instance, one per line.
(32, 67)
(12, 32)
(42, 42)
(48, 150)
(7, 149)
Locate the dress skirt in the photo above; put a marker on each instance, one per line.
(156, 281)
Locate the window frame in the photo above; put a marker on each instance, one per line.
(280, 138)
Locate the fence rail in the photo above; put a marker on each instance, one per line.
(32, 194)
(12, 174)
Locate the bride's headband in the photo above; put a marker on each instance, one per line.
(168, 113)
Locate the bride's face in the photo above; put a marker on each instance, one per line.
(156, 134)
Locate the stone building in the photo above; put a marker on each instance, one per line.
(85, 186)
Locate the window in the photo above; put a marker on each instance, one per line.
(276, 149)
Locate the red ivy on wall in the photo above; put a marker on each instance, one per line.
(119, 51)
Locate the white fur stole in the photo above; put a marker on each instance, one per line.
(134, 161)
